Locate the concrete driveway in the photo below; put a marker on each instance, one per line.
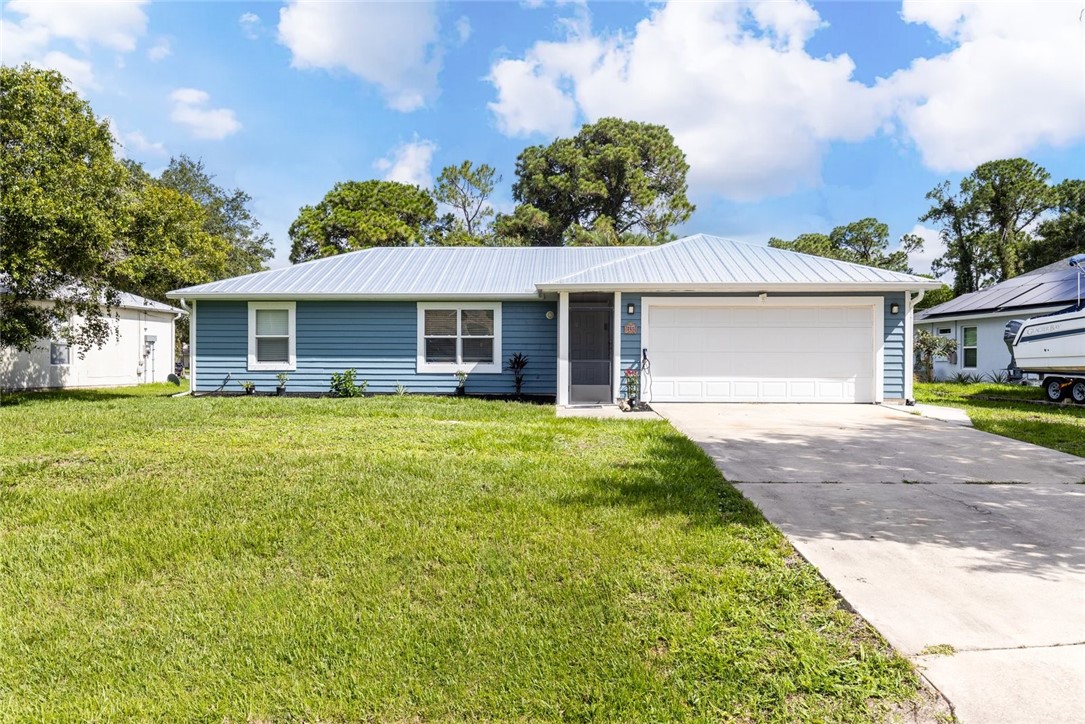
(914, 521)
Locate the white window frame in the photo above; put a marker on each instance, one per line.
(254, 365)
(421, 365)
(976, 346)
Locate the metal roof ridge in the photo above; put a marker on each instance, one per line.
(643, 251)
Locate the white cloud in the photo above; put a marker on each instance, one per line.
(463, 29)
(753, 111)
(933, 247)
(161, 50)
(391, 45)
(251, 25)
(409, 163)
(190, 109)
(1014, 81)
(115, 25)
(77, 71)
(141, 143)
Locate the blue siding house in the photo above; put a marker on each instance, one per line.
(699, 319)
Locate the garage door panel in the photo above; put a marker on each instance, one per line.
(809, 353)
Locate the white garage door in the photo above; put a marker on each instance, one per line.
(807, 352)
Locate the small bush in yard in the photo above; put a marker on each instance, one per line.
(344, 384)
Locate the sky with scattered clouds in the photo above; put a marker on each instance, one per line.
(794, 116)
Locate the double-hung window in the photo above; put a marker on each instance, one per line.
(272, 336)
(464, 336)
(970, 347)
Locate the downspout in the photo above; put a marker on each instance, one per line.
(909, 344)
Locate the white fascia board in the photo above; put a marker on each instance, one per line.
(318, 297)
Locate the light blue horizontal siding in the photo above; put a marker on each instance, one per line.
(378, 339)
(893, 364)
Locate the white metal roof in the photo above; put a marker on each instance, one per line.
(702, 262)
(127, 301)
(696, 262)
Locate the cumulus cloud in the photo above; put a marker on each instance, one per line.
(1014, 80)
(251, 25)
(409, 163)
(933, 247)
(391, 45)
(76, 70)
(112, 24)
(30, 27)
(754, 112)
(161, 50)
(191, 109)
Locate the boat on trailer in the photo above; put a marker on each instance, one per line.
(1053, 346)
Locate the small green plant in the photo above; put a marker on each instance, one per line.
(928, 346)
(963, 378)
(248, 386)
(282, 377)
(516, 365)
(461, 386)
(401, 389)
(999, 377)
(344, 384)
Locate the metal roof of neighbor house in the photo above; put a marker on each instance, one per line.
(696, 262)
(1052, 285)
(130, 301)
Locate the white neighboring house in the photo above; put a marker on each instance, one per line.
(977, 320)
(139, 349)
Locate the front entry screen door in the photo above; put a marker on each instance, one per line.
(590, 355)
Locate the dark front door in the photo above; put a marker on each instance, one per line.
(590, 354)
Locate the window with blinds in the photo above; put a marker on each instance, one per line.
(271, 336)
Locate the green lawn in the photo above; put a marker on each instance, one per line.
(1005, 410)
(400, 559)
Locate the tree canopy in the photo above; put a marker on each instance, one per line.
(61, 205)
(865, 241)
(226, 215)
(631, 174)
(988, 224)
(467, 189)
(77, 225)
(361, 214)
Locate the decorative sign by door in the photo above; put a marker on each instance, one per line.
(629, 328)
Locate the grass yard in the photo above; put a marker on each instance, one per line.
(1060, 427)
(400, 559)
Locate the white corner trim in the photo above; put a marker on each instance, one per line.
(563, 349)
(616, 353)
(483, 368)
(292, 364)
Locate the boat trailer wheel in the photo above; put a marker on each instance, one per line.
(1055, 388)
(1077, 392)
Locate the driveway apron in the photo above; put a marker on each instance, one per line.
(944, 538)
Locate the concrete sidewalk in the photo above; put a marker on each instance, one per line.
(995, 571)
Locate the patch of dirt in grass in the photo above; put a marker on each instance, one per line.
(926, 707)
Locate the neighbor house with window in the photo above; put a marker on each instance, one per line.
(139, 348)
(699, 319)
(978, 320)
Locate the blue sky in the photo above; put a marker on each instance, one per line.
(794, 117)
